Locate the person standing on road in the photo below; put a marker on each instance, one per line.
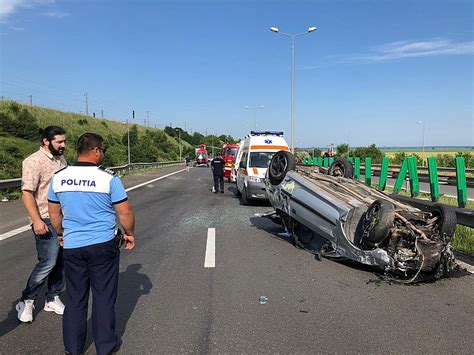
(84, 200)
(217, 166)
(36, 175)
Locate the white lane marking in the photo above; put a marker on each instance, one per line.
(210, 260)
(149, 182)
(14, 232)
(25, 228)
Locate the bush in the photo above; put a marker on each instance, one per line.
(371, 151)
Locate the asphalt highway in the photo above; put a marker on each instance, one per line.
(169, 302)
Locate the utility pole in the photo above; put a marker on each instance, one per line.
(147, 119)
(87, 105)
(102, 113)
(31, 99)
(128, 142)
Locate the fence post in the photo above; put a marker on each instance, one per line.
(434, 184)
(368, 171)
(356, 168)
(331, 160)
(461, 182)
(318, 161)
(305, 161)
(383, 173)
(413, 175)
(401, 177)
(326, 162)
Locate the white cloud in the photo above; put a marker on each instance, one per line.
(8, 7)
(18, 29)
(412, 49)
(57, 14)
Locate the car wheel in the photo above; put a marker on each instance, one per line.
(244, 198)
(341, 167)
(378, 221)
(281, 163)
(447, 220)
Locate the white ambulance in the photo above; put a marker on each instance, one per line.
(255, 152)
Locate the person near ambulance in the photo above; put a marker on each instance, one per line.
(217, 166)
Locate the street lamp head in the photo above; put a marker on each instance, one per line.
(311, 29)
(274, 29)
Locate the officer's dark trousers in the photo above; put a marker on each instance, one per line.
(219, 183)
(93, 267)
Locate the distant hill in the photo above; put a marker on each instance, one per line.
(19, 137)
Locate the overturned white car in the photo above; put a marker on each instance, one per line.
(327, 212)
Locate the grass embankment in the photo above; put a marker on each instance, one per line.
(147, 144)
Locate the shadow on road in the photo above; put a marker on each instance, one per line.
(11, 322)
(132, 285)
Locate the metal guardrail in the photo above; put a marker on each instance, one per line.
(446, 176)
(464, 216)
(16, 183)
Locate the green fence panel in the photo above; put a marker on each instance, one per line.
(434, 184)
(384, 173)
(401, 176)
(326, 162)
(310, 161)
(413, 175)
(368, 171)
(461, 181)
(351, 159)
(357, 168)
(318, 161)
(331, 160)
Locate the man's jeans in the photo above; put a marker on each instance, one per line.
(49, 267)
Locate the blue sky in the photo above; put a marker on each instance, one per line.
(370, 72)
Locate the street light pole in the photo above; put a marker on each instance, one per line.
(254, 110)
(292, 35)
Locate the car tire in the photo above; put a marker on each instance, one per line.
(341, 167)
(378, 220)
(282, 162)
(447, 220)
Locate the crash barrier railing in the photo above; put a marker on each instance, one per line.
(16, 183)
(453, 176)
(408, 171)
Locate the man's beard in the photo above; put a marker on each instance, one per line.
(54, 151)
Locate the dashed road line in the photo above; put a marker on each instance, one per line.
(210, 260)
(25, 228)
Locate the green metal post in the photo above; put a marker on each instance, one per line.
(413, 175)
(351, 159)
(461, 182)
(356, 168)
(317, 161)
(384, 173)
(326, 162)
(331, 160)
(368, 171)
(434, 184)
(401, 177)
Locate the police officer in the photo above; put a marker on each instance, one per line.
(217, 166)
(83, 202)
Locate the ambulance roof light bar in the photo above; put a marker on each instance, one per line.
(266, 133)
